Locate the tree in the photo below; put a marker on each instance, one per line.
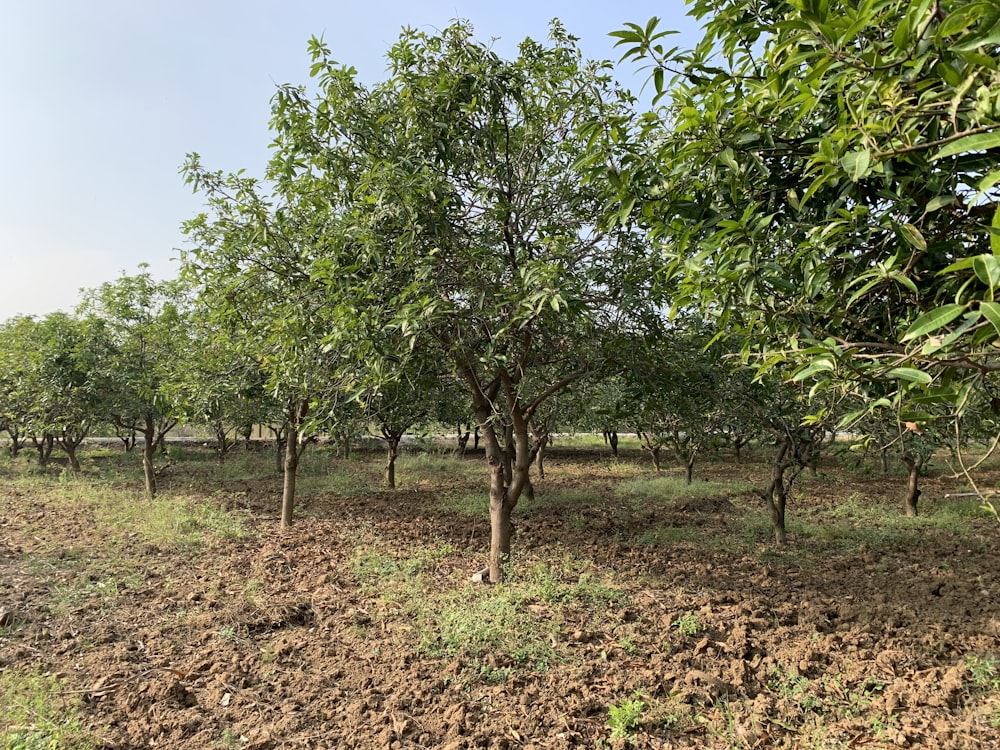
(676, 387)
(459, 197)
(69, 398)
(53, 392)
(253, 266)
(823, 175)
(145, 332)
(218, 384)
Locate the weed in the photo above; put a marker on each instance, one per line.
(625, 718)
(984, 672)
(231, 740)
(627, 644)
(687, 624)
(35, 716)
(796, 689)
(493, 674)
(230, 633)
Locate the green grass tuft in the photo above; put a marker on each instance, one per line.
(35, 715)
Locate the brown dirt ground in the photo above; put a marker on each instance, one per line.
(269, 641)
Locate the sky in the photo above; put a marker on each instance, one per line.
(105, 98)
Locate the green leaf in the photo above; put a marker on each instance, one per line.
(913, 236)
(995, 233)
(962, 18)
(988, 38)
(991, 311)
(932, 320)
(813, 368)
(987, 268)
(910, 374)
(857, 164)
(940, 202)
(959, 265)
(977, 142)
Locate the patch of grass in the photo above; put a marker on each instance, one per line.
(495, 630)
(34, 715)
(466, 502)
(667, 489)
(370, 563)
(625, 718)
(428, 468)
(107, 588)
(180, 521)
(666, 536)
(338, 477)
(984, 673)
(545, 501)
(687, 624)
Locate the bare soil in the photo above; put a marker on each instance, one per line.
(848, 637)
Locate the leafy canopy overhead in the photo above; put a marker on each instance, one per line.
(824, 175)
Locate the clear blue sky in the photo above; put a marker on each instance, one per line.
(103, 99)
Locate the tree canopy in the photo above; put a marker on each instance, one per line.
(823, 176)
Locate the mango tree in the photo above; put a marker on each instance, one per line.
(825, 176)
(467, 219)
(144, 330)
(252, 267)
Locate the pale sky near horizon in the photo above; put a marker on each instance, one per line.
(105, 98)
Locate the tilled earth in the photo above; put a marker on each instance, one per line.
(335, 633)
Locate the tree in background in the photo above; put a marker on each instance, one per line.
(145, 334)
(253, 267)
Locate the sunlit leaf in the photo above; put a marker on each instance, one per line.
(933, 320)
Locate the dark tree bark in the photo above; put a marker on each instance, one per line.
(914, 464)
(43, 446)
(463, 440)
(70, 440)
(391, 453)
(738, 442)
(16, 439)
(223, 444)
(776, 493)
(148, 432)
(294, 446)
(280, 439)
(611, 439)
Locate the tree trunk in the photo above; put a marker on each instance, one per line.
(913, 466)
(655, 451)
(69, 440)
(296, 413)
(148, 446)
(74, 461)
(222, 444)
(537, 456)
(44, 448)
(280, 435)
(501, 536)
(775, 496)
(291, 470)
(392, 451)
(463, 440)
(16, 441)
(689, 468)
